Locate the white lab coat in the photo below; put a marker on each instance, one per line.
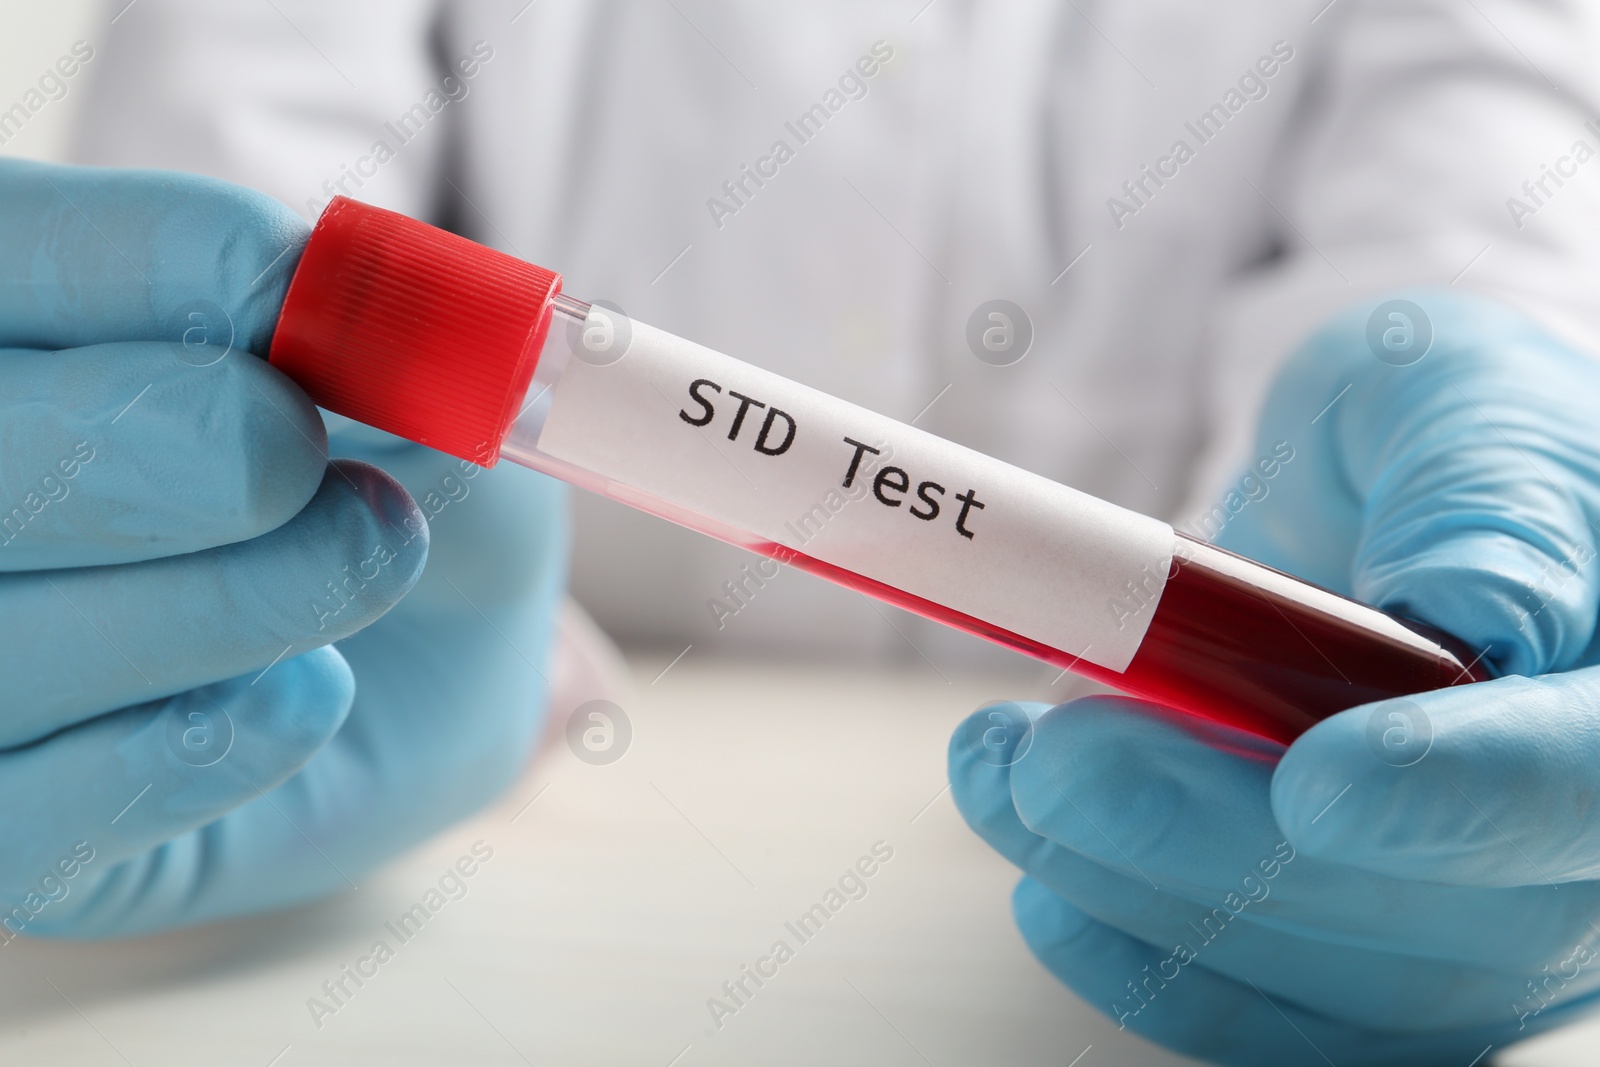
(987, 157)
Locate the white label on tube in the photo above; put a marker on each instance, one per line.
(805, 470)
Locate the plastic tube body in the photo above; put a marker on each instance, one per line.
(1193, 627)
(430, 336)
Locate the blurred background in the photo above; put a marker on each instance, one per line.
(35, 35)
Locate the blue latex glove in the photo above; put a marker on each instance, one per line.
(1412, 882)
(180, 739)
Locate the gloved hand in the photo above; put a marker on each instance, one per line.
(1413, 881)
(180, 739)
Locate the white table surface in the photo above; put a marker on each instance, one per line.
(621, 899)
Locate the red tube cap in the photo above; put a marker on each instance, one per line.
(416, 331)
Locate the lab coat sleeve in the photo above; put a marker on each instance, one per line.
(1409, 160)
(1430, 134)
(300, 99)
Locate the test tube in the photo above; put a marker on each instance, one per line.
(448, 343)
